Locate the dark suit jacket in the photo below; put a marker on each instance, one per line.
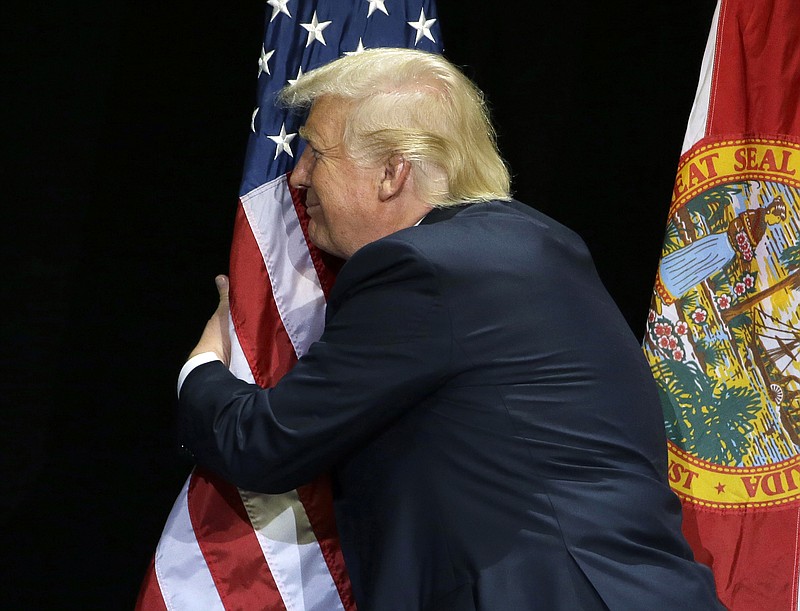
(492, 427)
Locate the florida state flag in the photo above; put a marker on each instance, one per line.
(723, 335)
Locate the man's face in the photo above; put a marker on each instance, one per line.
(342, 198)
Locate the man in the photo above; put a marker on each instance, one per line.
(491, 426)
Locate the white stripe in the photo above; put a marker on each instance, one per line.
(295, 285)
(698, 118)
(183, 576)
(292, 552)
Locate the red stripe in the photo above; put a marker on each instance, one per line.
(317, 500)
(150, 598)
(258, 324)
(229, 545)
(752, 555)
(327, 266)
(756, 85)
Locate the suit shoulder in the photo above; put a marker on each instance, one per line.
(508, 231)
(390, 261)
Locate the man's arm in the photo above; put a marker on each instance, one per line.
(386, 346)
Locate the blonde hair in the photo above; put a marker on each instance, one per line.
(420, 106)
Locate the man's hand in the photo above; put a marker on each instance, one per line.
(215, 336)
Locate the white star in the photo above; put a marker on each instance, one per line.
(263, 66)
(315, 30)
(376, 4)
(253, 120)
(278, 6)
(283, 141)
(359, 49)
(292, 81)
(423, 27)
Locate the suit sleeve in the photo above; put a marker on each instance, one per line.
(386, 346)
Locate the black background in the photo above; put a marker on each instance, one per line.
(126, 132)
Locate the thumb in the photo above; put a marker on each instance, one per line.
(223, 284)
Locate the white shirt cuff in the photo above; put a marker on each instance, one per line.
(193, 363)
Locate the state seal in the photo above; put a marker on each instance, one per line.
(723, 332)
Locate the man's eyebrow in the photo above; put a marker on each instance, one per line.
(313, 138)
(305, 133)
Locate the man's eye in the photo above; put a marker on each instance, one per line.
(315, 153)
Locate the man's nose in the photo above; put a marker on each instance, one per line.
(302, 171)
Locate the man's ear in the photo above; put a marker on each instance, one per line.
(396, 172)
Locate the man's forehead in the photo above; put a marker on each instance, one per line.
(325, 120)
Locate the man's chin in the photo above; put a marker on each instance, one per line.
(327, 248)
(317, 238)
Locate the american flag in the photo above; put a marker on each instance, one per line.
(222, 547)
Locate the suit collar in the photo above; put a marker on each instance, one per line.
(442, 214)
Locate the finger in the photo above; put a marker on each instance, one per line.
(222, 286)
